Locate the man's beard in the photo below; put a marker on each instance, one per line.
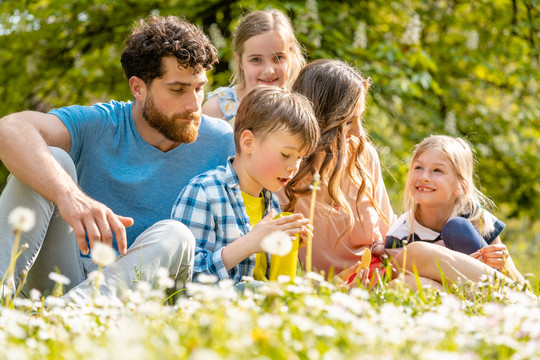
(175, 128)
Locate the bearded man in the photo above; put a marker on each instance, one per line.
(111, 172)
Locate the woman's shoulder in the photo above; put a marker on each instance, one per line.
(372, 152)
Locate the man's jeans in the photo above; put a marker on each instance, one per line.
(53, 247)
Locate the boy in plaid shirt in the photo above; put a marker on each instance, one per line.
(230, 210)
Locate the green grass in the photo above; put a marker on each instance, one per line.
(307, 320)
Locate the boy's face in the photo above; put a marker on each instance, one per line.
(274, 161)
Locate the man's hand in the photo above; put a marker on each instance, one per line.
(91, 218)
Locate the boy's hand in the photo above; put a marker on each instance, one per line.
(305, 234)
(291, 225)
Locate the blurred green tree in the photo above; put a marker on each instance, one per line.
(467, 69)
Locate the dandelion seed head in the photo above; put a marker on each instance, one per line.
(102, 254)
(277, 243)
(22, 219)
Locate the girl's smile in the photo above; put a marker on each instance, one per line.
(264, 61)
(434, 180)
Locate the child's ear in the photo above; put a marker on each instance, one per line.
(237, 58)
(138, 88)
(461, 189)
(247, 141)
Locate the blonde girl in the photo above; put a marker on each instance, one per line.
(353, 211)
(266, 52)
(444, 207)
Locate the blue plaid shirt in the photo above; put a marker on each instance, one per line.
(212, 207)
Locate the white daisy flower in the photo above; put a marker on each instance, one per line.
(59, 278)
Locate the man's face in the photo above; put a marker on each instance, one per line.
(173, 102)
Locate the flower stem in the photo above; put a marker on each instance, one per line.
(316, 181)
(11, 269)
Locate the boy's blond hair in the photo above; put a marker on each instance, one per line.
(266, 109)
(469, 199)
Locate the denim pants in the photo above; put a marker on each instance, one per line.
(459, 234)
(52, 246)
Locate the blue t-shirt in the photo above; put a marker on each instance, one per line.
(117, 167)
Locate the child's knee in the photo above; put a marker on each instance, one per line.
(457, 224)
(459, 234)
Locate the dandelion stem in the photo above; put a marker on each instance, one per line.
(316, 181)
(97, 284)
(10, 273)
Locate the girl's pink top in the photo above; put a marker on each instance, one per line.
(330, 222)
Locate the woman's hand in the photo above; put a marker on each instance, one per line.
(348, 278)
(377, 247)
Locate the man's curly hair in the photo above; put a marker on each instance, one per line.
(156, 37)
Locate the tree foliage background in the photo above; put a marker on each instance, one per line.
(454, 67)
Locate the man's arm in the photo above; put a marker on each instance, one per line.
(24, 141)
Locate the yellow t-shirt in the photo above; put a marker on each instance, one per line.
(255, 210)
